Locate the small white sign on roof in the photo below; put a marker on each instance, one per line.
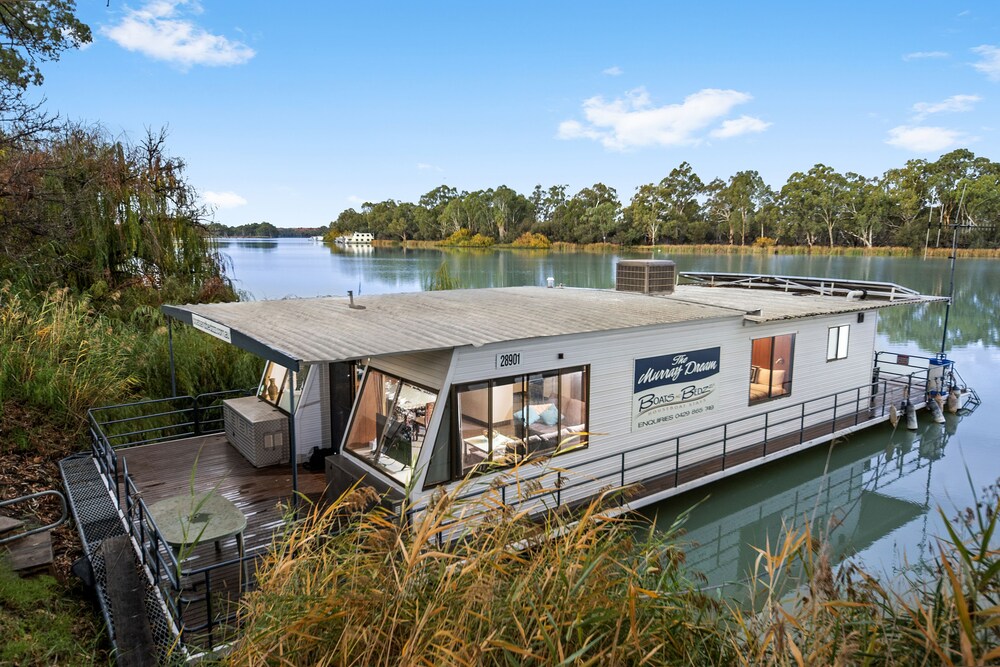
(212, 328)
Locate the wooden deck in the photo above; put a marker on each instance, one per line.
(210, 463)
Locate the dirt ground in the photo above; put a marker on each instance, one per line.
(30, 450)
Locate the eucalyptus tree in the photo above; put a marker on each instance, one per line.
(908, 192)
(815, 202)
(679, 191)
(545, 203)
(866, 209)
(947, 175)
(646, 213)
(600, 213)
(981, 205)
(510, 213)
(734, 206)
(430, 212)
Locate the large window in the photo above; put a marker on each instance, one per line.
(836, 342)
(771, 367)
(389, 423)
(499, 422)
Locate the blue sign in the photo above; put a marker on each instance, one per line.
(674, 387)
(673, 368)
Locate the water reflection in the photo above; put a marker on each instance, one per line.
(853, 494)
(250, 244)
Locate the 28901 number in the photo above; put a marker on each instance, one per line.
(508, 360)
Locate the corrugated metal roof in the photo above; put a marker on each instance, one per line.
(327, 329)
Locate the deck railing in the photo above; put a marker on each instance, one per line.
(665, 464)
(676, 461)
(116, 427)
(190, 594)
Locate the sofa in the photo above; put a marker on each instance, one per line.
(761, 379)
(543, 424)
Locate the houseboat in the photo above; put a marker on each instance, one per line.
(357, 238)
(652, 388)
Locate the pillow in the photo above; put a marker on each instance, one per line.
(764, 376)
(777, 379)
(527, 415)
(550, 415)
(754, 372)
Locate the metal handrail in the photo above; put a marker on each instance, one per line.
(864, 395)
(160, 560)
(41, 529)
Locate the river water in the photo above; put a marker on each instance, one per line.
(876, 495)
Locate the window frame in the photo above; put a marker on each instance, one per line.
(274, 370)
(784, 359)
(380, 440)
(843, 332)
(522, 434)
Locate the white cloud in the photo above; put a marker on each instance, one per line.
(224, 200)
(737, 126)
(954, 104)
(613, 71)
(919, 139)
(632, 121)
(989, 63)
(924, 55)
(355, 200)
(424, 166)
(163, 30)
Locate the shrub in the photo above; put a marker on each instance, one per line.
(535, 241)
(463, 238)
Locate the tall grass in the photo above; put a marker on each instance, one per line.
(346, 586)
(59, 356)
(374, 593)
(62, 357)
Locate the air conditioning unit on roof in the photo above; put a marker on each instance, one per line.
(646, 276)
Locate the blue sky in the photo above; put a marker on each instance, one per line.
(291, 112)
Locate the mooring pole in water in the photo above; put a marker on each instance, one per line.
(291, 441)
(951, 288)
(170, 344)
(951, 285)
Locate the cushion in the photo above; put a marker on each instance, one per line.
(766, 376)
(550, 416)
(527, 415)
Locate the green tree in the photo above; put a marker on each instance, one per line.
(815, 202)
(734, 206)
(908, 194)
(31, 34)
(679, 191)
(95, 210)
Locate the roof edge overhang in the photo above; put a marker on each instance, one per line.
(231, 336)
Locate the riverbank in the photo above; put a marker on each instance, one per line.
(715, 249)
